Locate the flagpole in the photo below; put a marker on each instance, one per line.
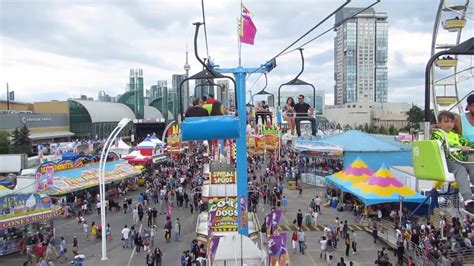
(240, 33)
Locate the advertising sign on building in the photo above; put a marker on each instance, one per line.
(223, 177)
(225, 219)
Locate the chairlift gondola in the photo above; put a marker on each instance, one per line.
(209, 127)
(296, 82)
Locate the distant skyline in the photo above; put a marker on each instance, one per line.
(51, 50)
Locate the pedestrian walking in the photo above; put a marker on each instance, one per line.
(150, 258)
(347, 241)
(284, 203)
(317, 201)
(138, 243)
(375, 232)
(135, 215)
(301, 240)
(75, 246)
(85, 228)
(125, 236)
(354, 243)
(108, 232)
(125, 205)
(158, 256)
(294, 240)
(324, 244)
(177, 230)
(63, 250)
(299, 218)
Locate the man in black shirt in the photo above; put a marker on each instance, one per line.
(196, 110)
(304, 112)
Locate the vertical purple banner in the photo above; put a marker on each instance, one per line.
(276, 216)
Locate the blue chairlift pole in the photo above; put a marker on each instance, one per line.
(240, 74)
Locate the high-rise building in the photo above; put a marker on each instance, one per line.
(176, 81)
(158, 96)
(223, 92)
(360, 56)
(136, 86)
(204, 87)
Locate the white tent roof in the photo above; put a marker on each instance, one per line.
(230, 250)
(123, 145)
(133, 154)
(151, 112)
(146, 143)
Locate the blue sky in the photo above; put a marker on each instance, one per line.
(56, 50)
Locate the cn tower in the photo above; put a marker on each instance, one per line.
(187, 67)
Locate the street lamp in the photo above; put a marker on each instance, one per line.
(103, 159)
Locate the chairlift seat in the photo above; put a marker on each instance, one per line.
(446, 63)
(210, 127)
(454, 24)
(446, 100)
(429, 161)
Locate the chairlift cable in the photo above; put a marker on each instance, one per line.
(313, 28)
(332, 28)
(205, 28)
(283, 52)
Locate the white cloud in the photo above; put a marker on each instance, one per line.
(52, 48)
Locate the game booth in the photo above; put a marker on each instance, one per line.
(66, 176)
(319, 160)
(22, 216)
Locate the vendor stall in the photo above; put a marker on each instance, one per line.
(21, 217)
(54, 182)
(319, 160)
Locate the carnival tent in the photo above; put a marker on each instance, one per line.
(356, 172)
(373, 149)
(318, 147)
(153, 138)
(383, 187)
(235, 248)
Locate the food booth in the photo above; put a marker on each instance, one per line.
(21, 217)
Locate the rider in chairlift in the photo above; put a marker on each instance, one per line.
(304, 112)
(463, 173)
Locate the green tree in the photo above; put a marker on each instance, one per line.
(383, 130)
(392, 130)
(415, 116)
(360, 128)
(4, 142)
(347, 127)
(338, 126)
(366, 128)
(21, 142)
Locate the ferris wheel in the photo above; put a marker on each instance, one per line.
(451, 19)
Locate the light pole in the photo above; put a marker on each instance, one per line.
(103, 159)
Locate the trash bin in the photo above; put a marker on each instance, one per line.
(292, 185)
(334, 203)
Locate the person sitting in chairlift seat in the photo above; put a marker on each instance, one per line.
(304, 113)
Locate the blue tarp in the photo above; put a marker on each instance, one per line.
(357, 141)
(373, 150)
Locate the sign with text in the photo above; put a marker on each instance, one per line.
(223, 177)
(225, 218)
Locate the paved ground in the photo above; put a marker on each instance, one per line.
(367, 251)
(172, 251)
